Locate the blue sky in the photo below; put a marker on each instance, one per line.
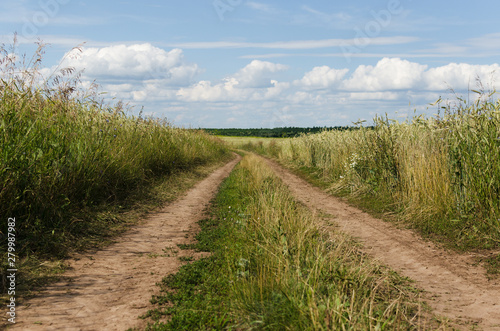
(239, 63)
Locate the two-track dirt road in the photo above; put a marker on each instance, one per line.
(112, 288)
(456, 287)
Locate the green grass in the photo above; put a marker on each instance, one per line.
(272, 267)
(493, 264)
(74, 170)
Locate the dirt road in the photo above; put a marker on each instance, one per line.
(109, 290)
(456, 288)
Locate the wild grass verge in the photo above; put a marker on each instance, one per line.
(440, 175)
(71, 166)
(273, 267)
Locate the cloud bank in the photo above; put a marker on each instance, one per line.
(164, 80)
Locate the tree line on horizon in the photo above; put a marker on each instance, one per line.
(283, 132)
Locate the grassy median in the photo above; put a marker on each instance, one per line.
(273, 267)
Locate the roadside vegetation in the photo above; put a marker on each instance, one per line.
(440, 174)
(73, 169)
(273, 266)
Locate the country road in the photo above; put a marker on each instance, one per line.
(110, 289)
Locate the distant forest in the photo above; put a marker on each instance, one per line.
(286, 132)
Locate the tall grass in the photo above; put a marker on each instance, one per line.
(292, 275)
(441, 174)
(64, 154)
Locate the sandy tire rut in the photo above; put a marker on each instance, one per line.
(112, 288)
(455, 286)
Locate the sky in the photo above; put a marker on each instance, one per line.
(253, 64)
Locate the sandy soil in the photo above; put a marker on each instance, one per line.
(110, 289)
(456, 287)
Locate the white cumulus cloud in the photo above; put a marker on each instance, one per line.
(164, 81)
(387, 74)
(205, 91)
(322, 77)
(258, 74)
(374, 96)
(397, 74)
(139, 62)
(460, 76)
(252, 82)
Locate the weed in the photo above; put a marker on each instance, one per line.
(186, 258)
(493, 264)
(186, 246)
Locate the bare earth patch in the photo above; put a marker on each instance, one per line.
(456, 287)
(110, 289)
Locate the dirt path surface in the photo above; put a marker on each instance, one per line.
(455, 287)
(112, 288)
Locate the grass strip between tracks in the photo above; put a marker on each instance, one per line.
(274, 266)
